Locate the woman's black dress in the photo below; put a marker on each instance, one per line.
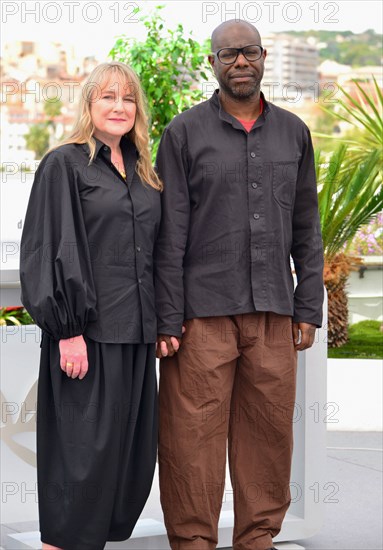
(86, 268)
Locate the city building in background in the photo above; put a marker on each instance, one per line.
(291, 68)
(33, 73)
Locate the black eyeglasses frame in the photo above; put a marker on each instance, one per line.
(239, 50)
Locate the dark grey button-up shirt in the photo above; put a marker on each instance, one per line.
(86, 263)
(234, 207)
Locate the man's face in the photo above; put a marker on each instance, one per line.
(241, 79)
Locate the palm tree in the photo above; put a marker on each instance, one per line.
(350, 194)
(365, 114)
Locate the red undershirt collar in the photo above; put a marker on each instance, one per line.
(248, 124)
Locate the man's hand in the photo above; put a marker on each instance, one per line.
(306, 332)
(167, 346)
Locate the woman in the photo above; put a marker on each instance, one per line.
(87, 280)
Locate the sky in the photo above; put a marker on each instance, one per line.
(92, 27)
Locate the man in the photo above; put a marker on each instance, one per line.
(239, 197)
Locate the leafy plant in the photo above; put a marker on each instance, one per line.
(349, 195)
(170, 68)
(39, 135)
(364, 113)
(52, 108)
(37, 139)
(15, 315)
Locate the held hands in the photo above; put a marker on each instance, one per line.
(306, 331)
(74, 357)
(167, 346)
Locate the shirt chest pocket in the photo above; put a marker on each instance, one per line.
(284, 183)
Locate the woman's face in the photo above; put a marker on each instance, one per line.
(113, 108)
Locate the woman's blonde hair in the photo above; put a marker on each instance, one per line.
(83, 129)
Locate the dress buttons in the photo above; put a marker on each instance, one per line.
(106, 148)
(254, 185)
(140, 281)
(256, 216)
(252, 154)
(138, 248)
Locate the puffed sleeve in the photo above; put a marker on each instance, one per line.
(56, 277)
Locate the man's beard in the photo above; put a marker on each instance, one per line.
(242, 90)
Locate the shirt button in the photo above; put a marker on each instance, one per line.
(106, 148)
(138, 248)
(254, 185)
(252, 154)
(140, 281)
(256, 216)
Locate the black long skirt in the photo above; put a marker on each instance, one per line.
(96, 444)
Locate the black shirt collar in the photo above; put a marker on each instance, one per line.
(229, 118)
(129, 155)
(126, 145)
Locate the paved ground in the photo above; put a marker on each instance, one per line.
(354, 465)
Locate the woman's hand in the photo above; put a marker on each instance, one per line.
(74, 357)
(167, 346)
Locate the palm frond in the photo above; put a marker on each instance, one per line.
(366, 109)
(348, 196)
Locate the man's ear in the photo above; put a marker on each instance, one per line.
(264, 54)
(211, 59)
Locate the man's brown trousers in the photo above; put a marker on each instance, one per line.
(233, 380)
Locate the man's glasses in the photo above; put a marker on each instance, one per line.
(227, 56)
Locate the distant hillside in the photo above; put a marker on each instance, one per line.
(348, 48)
